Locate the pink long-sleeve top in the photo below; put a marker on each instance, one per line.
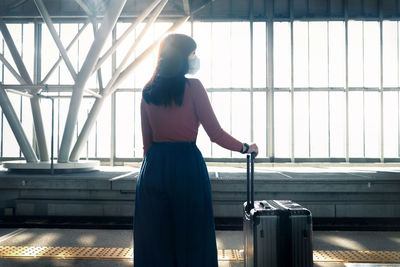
(181, 123)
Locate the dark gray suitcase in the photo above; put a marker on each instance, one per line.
(277, 233)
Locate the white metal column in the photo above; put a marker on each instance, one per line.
(35, 105)
(16, 127)
(57, 40)
(292, 157)
(270, 82)
(347, 80)
(108, 23)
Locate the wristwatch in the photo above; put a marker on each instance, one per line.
(246, 150)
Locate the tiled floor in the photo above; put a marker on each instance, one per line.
(323, 240)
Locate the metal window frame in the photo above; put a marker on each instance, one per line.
(270, 90)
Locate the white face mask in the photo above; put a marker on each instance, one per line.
(194, 65)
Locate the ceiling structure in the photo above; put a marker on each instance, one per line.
(213, 9)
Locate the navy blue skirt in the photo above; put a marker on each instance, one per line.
(174, 220)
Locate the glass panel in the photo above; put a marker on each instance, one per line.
(92, 141)
(390, 54)
(318, 54)
(259, 55)
(16, 34)
(85, 42)
(282, 54)
(145, 70)
(282, 124)
(241, 118)
(15, 30)
(355, 53)
(27, 119)
(221, 104)
(260, 120)
(300, 56)
(319, 124)
(1, 63)
(372, 124)
(240, 54)
(138, 141)
(104, 126)
(129, 82)
(50, 54)
(62, 117)
(202, 35)
(121, 27)
(87, 104)
(28, 49)
(45, 105)
(68, 32)
(106, 68)
(356, 125)
(371, 54)
(10, 145)
(58, 126)
(221, 55)
(203, 141)
(391, 124)
(301, 125)
(160, 28)
(337, 64)
(185, 29)
(124, 124)
(337, 106)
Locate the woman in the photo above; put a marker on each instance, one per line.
(174, 221)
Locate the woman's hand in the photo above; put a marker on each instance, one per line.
(252, 148)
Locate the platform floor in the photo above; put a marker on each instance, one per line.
(323, 240)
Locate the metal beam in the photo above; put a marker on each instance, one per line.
(186, 7)
(292, 130)
(57, 40)
(11, 69)
(382, 141)
(134, 45)
(35, 105)
(124, 74)
(251, 15)
(270, 83)
(16, 127)
(19, 93)
(346, 25)
(115, 45)
(109, 21)
(93, 93)
(85, 8)
(99, 75)
(60, 58)
(94, 112)
(113, 121)
(14, 53)
(38, 88)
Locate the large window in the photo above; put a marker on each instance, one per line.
(335, 89)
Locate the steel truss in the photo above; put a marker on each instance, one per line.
(91, 65)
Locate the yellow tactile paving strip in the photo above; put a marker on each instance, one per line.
(223, 254)
(230, 255)
(357, 256)
(66, 252)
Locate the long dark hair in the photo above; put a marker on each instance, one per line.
(167, 85)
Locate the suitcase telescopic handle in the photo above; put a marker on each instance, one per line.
(250, 180)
